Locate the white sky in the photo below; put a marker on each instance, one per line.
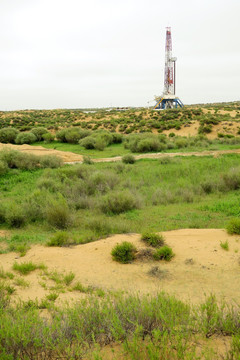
(89, 53)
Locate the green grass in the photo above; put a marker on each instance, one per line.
(119, 150)
(166, 193)
(155, 326)
(109, 151)
(27, 267)
(224, 245)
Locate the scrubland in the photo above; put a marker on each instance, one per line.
(45, 204)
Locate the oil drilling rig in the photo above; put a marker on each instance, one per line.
(168, 100)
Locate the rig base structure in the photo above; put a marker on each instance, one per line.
(168, 102)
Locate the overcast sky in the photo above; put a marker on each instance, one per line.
(100, 53)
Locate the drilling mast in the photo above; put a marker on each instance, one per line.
(168, 99)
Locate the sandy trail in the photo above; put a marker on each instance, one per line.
(200, 267)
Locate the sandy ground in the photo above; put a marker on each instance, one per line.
(39, 150)
(200, 267)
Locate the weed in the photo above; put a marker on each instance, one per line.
(164, 253)
(79, 287)
(152, 239)
(52, 296)
(21, 282)
(25, 268)
(68, 278)
(224, 245)
(124, 252)
(60, 238)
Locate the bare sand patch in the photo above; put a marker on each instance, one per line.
(39, 150)
(200, 267)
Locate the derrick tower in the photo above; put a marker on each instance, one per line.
(168, 100)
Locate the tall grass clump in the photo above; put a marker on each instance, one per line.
(58, 214)
(153, 239)
(15, 216)
(124, 252)
(119, 202)
(60, 238)
(233, 227)
(164, 253)
(27, 267)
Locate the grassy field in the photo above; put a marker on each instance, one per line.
(93, 201)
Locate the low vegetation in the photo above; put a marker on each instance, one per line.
(124, 252)
(153, 239)
(146, 327)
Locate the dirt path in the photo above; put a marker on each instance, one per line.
(199, 268)
(72, 158)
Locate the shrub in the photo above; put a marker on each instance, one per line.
(58, 214)
(60, 135)
(119, 202)
(8, 135)
(60, 238)
(73, 135)
(124, 252)
(164, 253)
(233, 227)
(152, 239)
(26, 138)
(232, 179)
(48, 137)
(87, 160)
(50, 161)
(88, 142)
(15, 216)
(39, 132)
(181, 143)
(128, 159)
(3, 168)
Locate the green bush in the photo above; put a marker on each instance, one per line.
(39, 132)
(233, 227)
(124, 252)
(181, 143)
(60, 238)
(61, 135)
(15, 216)
(128, 159)
(152, 239)
(50, 161)
(164, 253)
(119, 202)
(3, 167)
(58, 214)
(73, 135)
(26, 138)
(232, 179)
(88, 142)
(48, 138)
(8, 135)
